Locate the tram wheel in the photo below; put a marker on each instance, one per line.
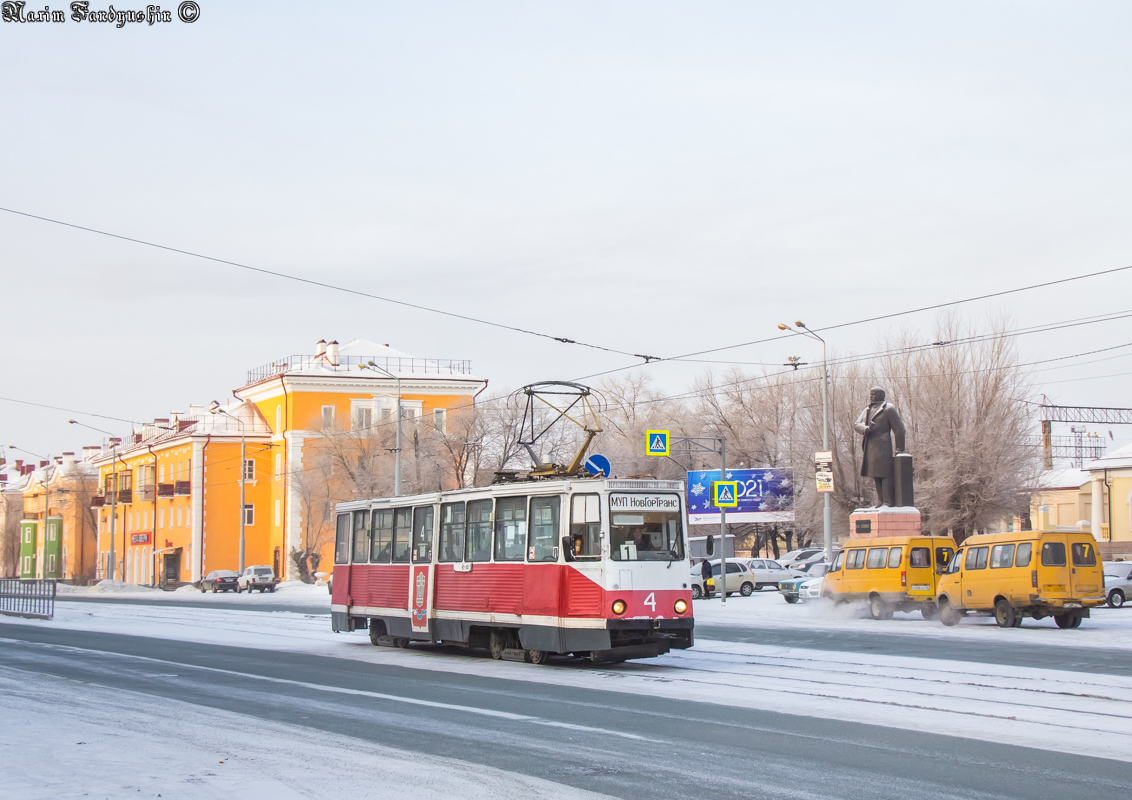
(400, 641)
(496, 642)
(537, 656)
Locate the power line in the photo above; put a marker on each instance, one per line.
(893, 315)
(333, 287)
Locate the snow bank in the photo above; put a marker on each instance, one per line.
(66, 739)
(107, 587)
(1107, 627)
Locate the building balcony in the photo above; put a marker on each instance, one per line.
(164, 490)
(98, 501)
(147, 494)
(125, 496)
(182, 488)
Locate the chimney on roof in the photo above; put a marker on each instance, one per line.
(43, 464)
(117, 440)
(90, 451)
(20, 466)
(320, 348)
(332, 353)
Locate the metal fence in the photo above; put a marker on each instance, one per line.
(33, 598)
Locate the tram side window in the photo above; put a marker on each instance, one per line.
(477, 541)
(402, 530)
(361, 537)
(381, 544)
(543, 542)
(510, 528)
(451, 533)
(585, 526)
(422, 533)
(342, 540)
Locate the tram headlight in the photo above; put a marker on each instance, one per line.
(680, 606)
(618, 607)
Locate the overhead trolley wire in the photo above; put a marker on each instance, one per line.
(334, 287)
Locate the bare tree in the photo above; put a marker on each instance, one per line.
(314, 486)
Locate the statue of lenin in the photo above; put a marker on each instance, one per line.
(876, 424)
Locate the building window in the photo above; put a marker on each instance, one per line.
(278, 507)
(161, 517)
(178, 516)
(278, 466)
(249, 469)
(363, 419)
(161, 474)
(249, 514)
(327, 418)
(278, 418)
(439, 421)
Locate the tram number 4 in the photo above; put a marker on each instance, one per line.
(650, 601)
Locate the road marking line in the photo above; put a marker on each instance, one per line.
(487, 712)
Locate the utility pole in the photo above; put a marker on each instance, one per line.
(827, 509)
(397, 447)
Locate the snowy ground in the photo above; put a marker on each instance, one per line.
(1063, 711)
(178, 750)
(295, 592)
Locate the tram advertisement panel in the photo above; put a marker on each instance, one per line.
(419, 599)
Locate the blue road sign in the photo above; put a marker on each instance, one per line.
(725, 494)
(656, 443)
(598, 464)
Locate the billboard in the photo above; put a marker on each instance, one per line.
(765, 495)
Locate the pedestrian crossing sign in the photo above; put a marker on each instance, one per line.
(656, 443)
(725, 494)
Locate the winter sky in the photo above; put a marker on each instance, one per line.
(652, 177)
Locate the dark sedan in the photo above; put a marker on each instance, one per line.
(219, 580)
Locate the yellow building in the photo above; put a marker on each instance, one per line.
(316, 430)
(1110, 489)
(57, 529)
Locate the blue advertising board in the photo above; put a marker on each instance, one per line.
(765, 495)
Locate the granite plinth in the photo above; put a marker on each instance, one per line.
(873, 523)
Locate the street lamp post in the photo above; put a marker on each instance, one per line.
(827, 509)
(397, 447)
(214, 408)
(113, 492)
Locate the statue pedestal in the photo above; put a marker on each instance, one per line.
(872, 523)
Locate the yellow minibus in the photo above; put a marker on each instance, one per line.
(1023, 574)
(895, 573)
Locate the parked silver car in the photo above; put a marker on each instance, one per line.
(769, 572)
(1117, 582)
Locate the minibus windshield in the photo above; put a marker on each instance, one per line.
(645, 528)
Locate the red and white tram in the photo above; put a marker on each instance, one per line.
(590, 566)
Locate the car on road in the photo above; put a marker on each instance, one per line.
(739, 579)
(805, 586)
(768, 572)
(220, 580)
(796, 558)
(1117, 582)
(259, 577)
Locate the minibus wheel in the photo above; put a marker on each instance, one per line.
(948, 615)
(1115, 598)
(1067, 620)
(929, 611)
(878, 608)
(1004, 613)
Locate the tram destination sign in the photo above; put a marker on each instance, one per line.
(644, 502)
(764, 495)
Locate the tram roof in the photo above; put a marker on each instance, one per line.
(542, 487)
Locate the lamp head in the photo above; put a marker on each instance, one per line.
(782, 326)
(213, 407)
(800, 324)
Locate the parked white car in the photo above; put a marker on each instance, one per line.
(1117, 582)
(768, 572)
(259, 577)
(739, 579)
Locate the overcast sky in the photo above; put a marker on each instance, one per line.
(652, 177)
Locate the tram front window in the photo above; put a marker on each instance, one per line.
(645, 528)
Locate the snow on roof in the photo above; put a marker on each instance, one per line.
(358, 353)
(1121, 458)
(1068, 478)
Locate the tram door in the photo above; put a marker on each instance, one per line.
(420, 575)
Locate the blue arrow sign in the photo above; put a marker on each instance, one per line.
(598, 465)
